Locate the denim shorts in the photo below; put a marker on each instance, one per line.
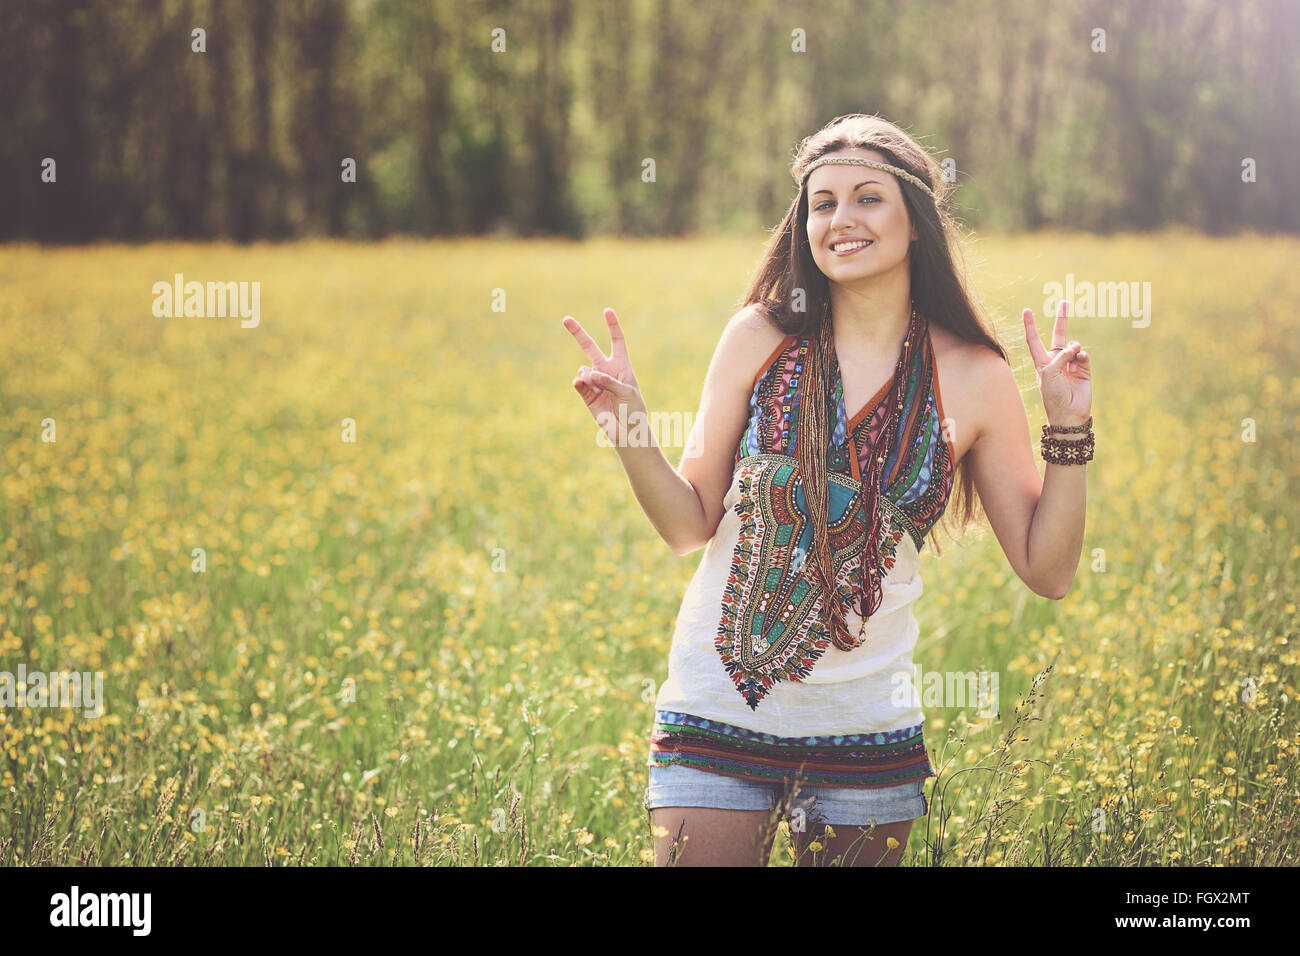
(678, 786)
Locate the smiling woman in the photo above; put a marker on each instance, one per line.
(789, 687)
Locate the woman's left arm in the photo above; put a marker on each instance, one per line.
(1039, 523)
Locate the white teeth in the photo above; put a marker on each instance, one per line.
(854, 244)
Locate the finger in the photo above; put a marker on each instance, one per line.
(1036, 350)
(588, 393)
(1058, 333)
(603, 380)
(1061, 359)
(585, 341)
(617, 344)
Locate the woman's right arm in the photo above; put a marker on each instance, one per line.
(685, 504)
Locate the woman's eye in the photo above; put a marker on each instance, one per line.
(827, 202)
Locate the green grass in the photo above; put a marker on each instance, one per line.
(478, 570)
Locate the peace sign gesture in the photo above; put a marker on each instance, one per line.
(608, 387)
(1064, 373)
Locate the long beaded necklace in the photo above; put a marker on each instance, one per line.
(872, 590)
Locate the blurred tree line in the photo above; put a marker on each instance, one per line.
(551, 134)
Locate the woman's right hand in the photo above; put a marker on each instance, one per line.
(608, 385)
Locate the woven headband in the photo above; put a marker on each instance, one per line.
(855, 161)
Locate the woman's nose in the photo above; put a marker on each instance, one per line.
(842, 221)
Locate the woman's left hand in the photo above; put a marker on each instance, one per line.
(1065, 376)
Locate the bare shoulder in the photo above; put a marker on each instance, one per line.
(957, 352)
(969, 373)
(748, 342)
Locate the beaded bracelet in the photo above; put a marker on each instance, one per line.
(1067, 452)
(1068, 429)
(1059, 451)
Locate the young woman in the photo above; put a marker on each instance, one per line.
(825, 451)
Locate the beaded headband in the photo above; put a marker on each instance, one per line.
(855, 161)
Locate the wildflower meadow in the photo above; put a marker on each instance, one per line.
(365, 588)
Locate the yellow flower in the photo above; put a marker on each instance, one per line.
(585, 836)
(659, 830)
(891, 843)
(815, 846)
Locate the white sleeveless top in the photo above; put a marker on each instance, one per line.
(751, 659)
(864, 690)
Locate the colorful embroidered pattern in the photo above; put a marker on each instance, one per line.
(849, 760)
(777, 634)
(919, 469)
(771, 626)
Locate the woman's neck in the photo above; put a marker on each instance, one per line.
(871, 321)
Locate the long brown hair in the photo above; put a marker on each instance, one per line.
(937, 288)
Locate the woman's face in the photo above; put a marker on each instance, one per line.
(857, 202)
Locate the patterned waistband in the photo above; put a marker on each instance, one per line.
(883, 759)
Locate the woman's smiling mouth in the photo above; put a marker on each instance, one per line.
(846, 247)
